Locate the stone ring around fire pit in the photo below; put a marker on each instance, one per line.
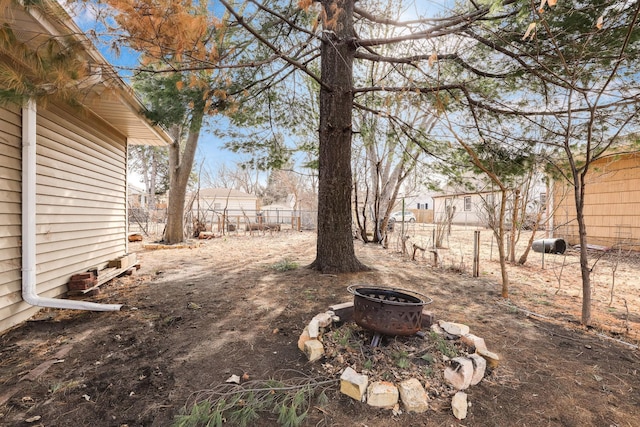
(388, 311)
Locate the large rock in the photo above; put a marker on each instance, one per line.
(314, 350)
(321, 320)
(382, 394)
(314, 328)
(413, 396)
(304, 337)
(427, 318)
(459, 373)
(474, 342)
(479, 368)
(353, 384)
(459, 405)
(457, 329)
(493, 360)
(324, 319)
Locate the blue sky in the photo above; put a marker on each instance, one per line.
(210, 148)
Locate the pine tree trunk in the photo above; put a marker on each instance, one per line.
(335, 251)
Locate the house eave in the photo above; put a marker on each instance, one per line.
(109, 98)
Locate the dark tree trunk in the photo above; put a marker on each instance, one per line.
(335, 252)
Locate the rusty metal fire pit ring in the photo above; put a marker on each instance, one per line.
(388, 311)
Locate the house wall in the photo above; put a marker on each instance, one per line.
(233, 206)
(80, 203)
(10, 214)
(612, 203)
(462, 216)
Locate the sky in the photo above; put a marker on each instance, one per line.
(211, 151)
(210, 148)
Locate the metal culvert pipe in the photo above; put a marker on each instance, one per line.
(549, 246)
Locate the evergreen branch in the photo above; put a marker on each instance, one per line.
(268, 44)
(419, 58)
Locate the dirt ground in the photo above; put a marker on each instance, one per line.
(195, 316)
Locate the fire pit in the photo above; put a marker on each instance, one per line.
(388, 311)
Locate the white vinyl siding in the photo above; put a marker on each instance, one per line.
(12, 310)
(80, 195)
(80, 203)
(467, 212)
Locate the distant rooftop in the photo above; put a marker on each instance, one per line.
(224, 193)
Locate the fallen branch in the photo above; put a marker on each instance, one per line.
(599, 334)
(527, 312)
(633, 346)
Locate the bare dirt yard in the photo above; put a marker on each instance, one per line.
(236, 305)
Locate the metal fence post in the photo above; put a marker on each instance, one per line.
(476, 253)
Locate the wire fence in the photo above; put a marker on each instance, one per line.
(151, 223)
(457, 248)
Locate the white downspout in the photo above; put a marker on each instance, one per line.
(29, 294)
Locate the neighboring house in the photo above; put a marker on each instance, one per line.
(480, 207)
(465, 208)
(137, 197)
(211, 203)
(277, 214)
(63, 192)
(611, 205)
(421, 204)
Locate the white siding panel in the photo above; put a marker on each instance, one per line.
(8, 290)
(84, 130)
(11, 274)
(248, 205)
(72, 188)
(9, 252)
(88, 233)
(48, 231)
(76, 162)
(15, 314)
(81, 196)
(10, 216)
(49, 272)
(9, 242)
(98, 202)
(10, 186)
(8, 164)
(10, 127)
(11, 298)
(9, 231)
(57, 213)
(51, 251)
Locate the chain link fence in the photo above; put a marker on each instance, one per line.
(151, 223)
